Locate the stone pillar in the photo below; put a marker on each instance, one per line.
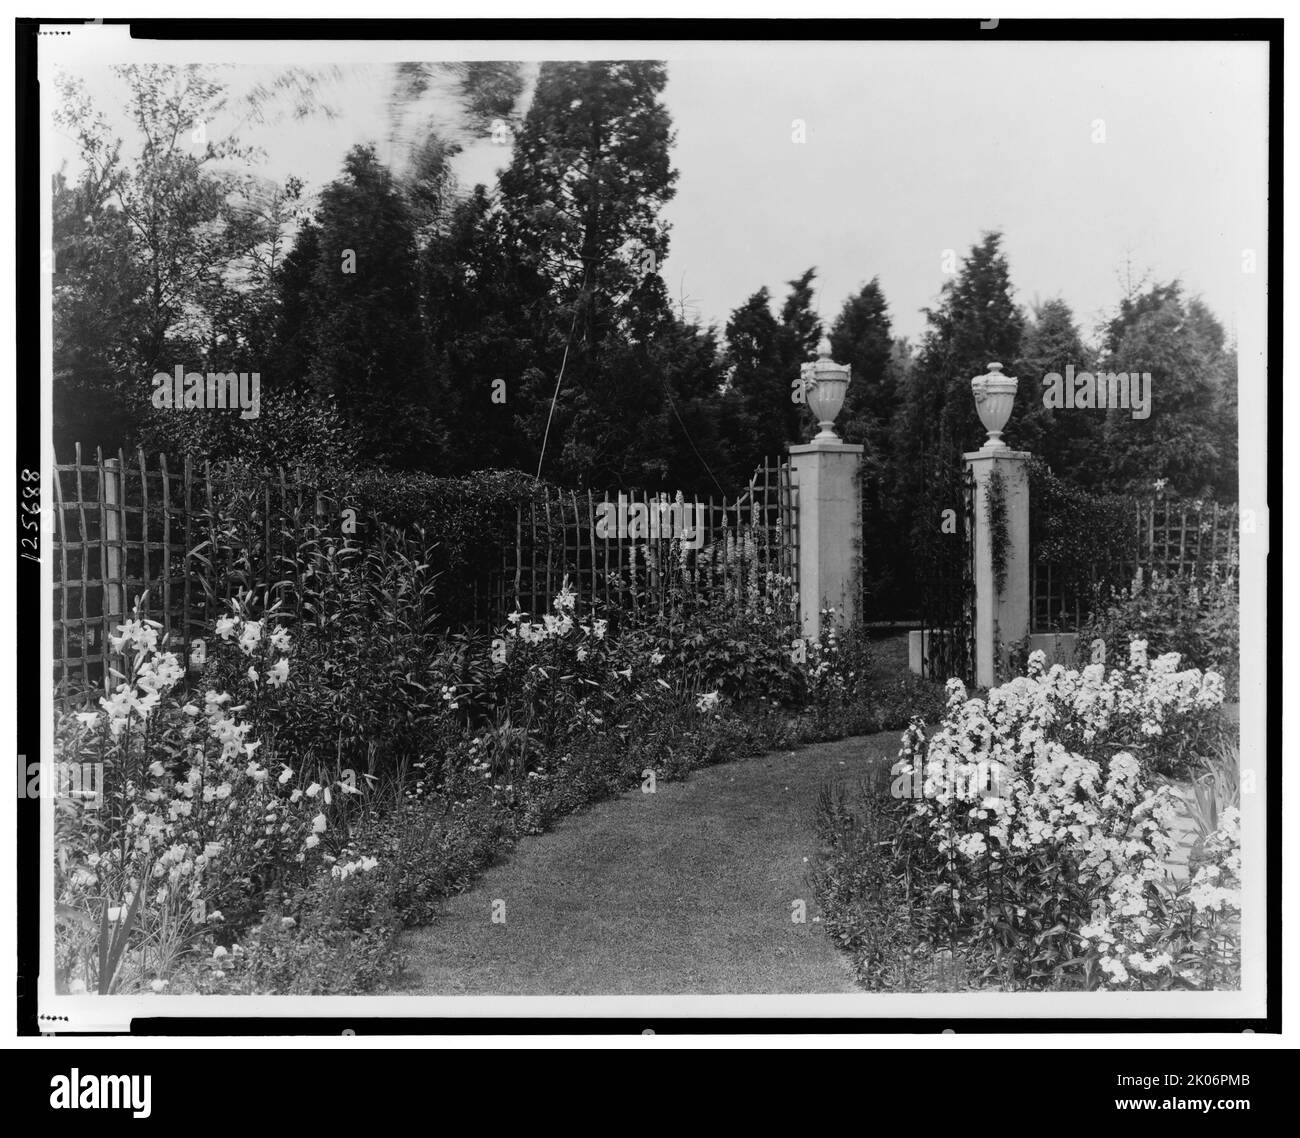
(828, 476)
(1001, 615)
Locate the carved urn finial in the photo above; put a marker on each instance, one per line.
(825, 384)
(995, 394)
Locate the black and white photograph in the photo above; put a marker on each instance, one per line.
(713, 524)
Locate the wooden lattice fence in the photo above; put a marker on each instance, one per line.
(136, 530)
(179, 539)
(715, 549)
(1170, 537)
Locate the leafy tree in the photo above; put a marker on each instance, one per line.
(98, 289)
(168, 253)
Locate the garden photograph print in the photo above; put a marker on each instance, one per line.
(731, 527)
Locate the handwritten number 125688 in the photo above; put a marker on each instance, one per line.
(31, 491)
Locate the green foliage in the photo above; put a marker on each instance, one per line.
(995, 505)
(366, 639)
(863, 878)
(369, 353)
(860, 337)
(744, 655)
(1086, 537)
(1073, 526)
(473, 518)
(1064, 440)
(763, 356)
(144, 240)
(442, 351)
(975, 322)
(315, 953)
(1199, 618)
(581, 203)
(1190, 438)
(973, 871)
(1216, 788)
(295, 429)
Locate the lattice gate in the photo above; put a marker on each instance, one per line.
(944, 549)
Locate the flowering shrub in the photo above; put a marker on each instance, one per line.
(1164, 717)
(1038, 840)
(341, 766)
(1185, 934)
(366, 638)
(1198, 619)
(837, 667)
(741, 649)
(192, 824)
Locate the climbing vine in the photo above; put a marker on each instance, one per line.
(995, 509)
(1070, 526)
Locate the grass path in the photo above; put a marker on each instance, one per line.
(688, 890)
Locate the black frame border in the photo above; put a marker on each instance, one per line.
(28, 628)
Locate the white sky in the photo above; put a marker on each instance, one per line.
(912, 149)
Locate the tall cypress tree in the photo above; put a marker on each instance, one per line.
(1066, 440)
(860, 337)
(975, 322)
(582, 197)
(756, 356)
(371, 355)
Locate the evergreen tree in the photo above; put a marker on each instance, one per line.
(1189, 439)
(860, 337)
(975, 322)
(482, 309)
(99, 394)
(1066, 440)
(764, 356)
(756, 361)
(370, 354)
(298, 311)
(801, 334)
(581, 200)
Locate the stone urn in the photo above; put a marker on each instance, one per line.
(994, 395)
(825, 384)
